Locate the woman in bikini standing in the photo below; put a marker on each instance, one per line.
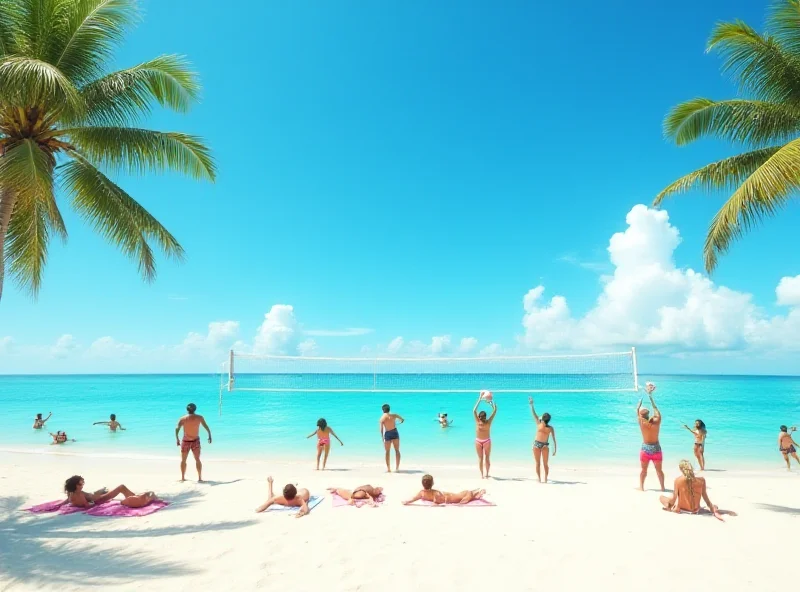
(323, 434)
(483, 441)
(541, 443)
(700, 433)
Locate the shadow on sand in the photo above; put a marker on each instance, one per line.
(779, 509)
(53, 548)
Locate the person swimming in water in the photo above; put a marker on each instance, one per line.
(60, 438)
(700, 434)
(390, 436)
(323, 434)
(651, 447)
(292, 496)
(429, 494)
(688, 492)
(786, 445)
(443, 421)
(112, 425)
(363, 492)
(76, 496)
(38, 422)
(541, 442)
(483, 439)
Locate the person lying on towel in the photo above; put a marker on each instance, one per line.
(76, 496)
(362, 492)
(429, 494)
(291, 497)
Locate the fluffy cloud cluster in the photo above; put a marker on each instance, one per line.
(649, 301)
(440, 345)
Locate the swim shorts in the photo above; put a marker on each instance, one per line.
(789, 450)
(651, 452)
(187, 445)
(390, 435)
(540, 445)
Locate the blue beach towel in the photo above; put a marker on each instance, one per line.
(313, 501)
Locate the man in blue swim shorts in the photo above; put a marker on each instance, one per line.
(390, 436)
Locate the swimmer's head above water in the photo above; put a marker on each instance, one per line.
(113, 417)
(38, 416)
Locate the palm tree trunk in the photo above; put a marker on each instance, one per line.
(8, 199)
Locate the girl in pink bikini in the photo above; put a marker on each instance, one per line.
(483, 441)
(323, 434)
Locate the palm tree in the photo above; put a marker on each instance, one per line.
(765, 120)
(65, 124)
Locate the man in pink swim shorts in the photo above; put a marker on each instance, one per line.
(651, 449)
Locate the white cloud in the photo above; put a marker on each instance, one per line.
(493, 349)
(6, 344)
(307, 347)
(440, 344)
(221, 334)
(788, 291)
(351, 332)
(649, 301)
(108, 347)
(467, 345)
(278, 333)
(395, 345)
(64, 346)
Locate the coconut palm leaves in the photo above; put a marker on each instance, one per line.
(66, 123)
(766, 120)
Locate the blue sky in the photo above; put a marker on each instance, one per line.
(414, 169)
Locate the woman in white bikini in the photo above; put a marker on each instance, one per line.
(323, 434)
(483, 441)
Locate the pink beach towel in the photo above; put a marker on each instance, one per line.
(476, 503)
(117, 510)
(60, 506)
(339, 501)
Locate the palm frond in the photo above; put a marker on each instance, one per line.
(28, 170)
(762, 194)
(116, 215)
(758, 63)
(37, 28)
(90, 32)
(9, 16)
(724, 174)
(121, 98)
(750, 122)
(783, 21)
(26, 82)
(138, 151)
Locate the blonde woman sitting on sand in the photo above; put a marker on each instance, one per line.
(688, 492)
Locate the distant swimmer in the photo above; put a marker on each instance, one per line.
(112, 425)
(483, 439)
(787, 446)
(700, 433)
(323, 434)
(443, 421)
(38, 423)
(390, 436)
(292, 496)
(688, 492)
(429, 494)
(60, 438)
(191, 439)
(367, 493)
(651, 448)
(541, 442)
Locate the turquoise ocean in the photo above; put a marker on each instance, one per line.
(742, 413)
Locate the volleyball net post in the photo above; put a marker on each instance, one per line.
(573, 373)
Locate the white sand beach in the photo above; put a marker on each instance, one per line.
(589, 529)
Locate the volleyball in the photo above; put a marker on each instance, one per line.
(486, 396)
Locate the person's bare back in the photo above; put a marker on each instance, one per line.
(191, 426)
(389, 421)
(650, 427)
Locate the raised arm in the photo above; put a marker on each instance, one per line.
(533, 411)
(690, 429)
(49, 415)
(656, 412)
(639, 407)
(494, 411)
(475, 409)
(337, 437)
(208, 429)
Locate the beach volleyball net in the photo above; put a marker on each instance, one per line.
(608, 372)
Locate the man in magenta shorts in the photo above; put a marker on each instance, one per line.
(651, 449)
